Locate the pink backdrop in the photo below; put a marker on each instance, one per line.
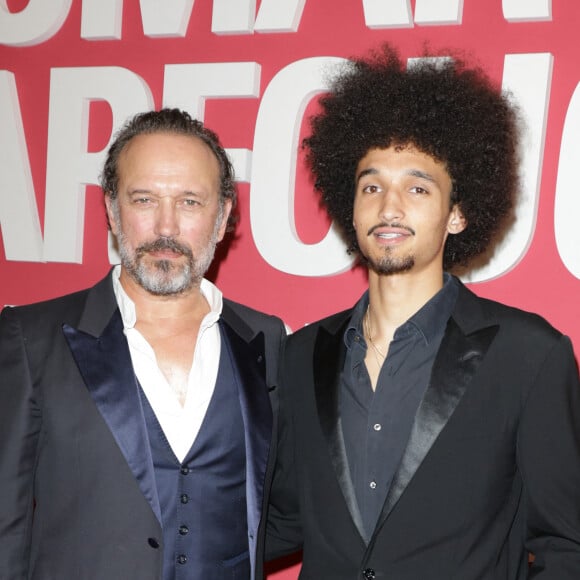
(72, 71)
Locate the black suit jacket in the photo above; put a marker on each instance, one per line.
(77, 493)
(491, 469)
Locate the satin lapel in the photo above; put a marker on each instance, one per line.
(457, 361)
(105, 364)
(328, 361)
(248, 358)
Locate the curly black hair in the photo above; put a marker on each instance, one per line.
(444, 109)
(177, 122)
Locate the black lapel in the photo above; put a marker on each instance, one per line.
(101, 352)
(464, 345)
(328, 361)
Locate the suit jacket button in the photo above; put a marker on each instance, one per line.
(153, 542)
(369, 574)
(183, 530)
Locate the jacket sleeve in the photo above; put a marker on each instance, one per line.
(284, 530)
(549, 459)
(20, 423)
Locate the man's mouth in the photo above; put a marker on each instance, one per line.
(164, 248)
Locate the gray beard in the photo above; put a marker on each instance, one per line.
(163, 277)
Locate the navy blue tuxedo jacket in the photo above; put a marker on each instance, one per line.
(77, 493)
(491, 470)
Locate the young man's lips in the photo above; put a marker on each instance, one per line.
(391, 234)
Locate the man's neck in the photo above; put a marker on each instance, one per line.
(393, 299)
(150, 308)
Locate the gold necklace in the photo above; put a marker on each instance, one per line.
(369, 332)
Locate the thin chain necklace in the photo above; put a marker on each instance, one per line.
(369, 332)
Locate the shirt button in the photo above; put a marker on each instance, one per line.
(377, 427)
(184, 470)
(373, 484)
(183, 530)
(181, 559)
(184, 498)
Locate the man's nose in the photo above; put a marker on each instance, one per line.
(391, 208)
(167, 222)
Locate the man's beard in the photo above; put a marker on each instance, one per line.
(165, 277)
(389, 265)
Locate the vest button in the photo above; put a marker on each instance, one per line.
(183, 530)
(181, 559)
(153, 542)
(184, 498)
(184, 470)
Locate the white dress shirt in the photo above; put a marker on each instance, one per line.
(181, 424)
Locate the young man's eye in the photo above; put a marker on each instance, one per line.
(370, 189)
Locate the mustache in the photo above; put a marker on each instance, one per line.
(391, 225)
(164, 244)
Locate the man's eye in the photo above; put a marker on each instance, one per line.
(190, 202)
(418, 189)
(141, 200)
(370, 189)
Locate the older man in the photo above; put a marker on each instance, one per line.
(135, 419)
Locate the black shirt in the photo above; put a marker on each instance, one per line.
(376, 424)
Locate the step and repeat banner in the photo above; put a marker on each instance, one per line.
(72, 71)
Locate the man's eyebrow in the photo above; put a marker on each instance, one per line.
(364, 172)
(140, 191)
(421, 175)
(411, 172)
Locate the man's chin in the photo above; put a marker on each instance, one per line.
(391, 266)
(163, 279)
(170, 287)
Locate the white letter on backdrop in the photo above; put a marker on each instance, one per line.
(187, 86)
(233, 17)
(567, 204)
(102, 19)
(527, 10)
(69, 166)
(279, 15)
(19, 221)
(528, 77)
(37, 22)
(438, 12)
(165, 19)
(388, 13)
(274, 172)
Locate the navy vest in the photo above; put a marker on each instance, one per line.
(203, 499)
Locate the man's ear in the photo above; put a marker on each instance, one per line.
(457, 222)
(226, 210)
(111, 214)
